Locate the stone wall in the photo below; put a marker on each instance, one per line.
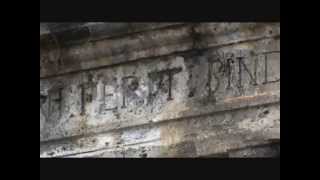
(159, 89)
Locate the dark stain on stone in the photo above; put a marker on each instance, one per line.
(117, 114)
(143, 155)
(51, 153)
(163, 79)
(191, 94)
(270, 32)
(269, 150)
(196, 37)
(185, 149)
(264, 113)
(43, 99)
(219, 155)
(73, 36)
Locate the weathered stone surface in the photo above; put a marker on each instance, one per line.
(211, 134)
(144, 45)
(176, 90)
(68, 34)
(272, 150)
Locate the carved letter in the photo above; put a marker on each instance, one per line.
(87, 93)
(212, 73)
(55, 102)
(266, 80)
(253, 78)
(228, 68)
(106, 94)
(129, 85)
(154, 76)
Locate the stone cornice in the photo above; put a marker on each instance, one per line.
(95, 45)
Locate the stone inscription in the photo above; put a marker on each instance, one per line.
(130, 92)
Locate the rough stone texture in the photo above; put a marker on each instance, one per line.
(159, 90)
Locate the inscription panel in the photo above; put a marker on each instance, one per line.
(188, 84)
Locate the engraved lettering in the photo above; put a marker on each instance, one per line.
(253, 78)
(159, 76)
(129, 85)
(212, 73)
(88, 90)
(228, 68)
(107, 94)
(55, 102)
(266, 73)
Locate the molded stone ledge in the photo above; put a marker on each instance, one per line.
(56, 60)
(211, 134)
(266, 151)
(188, 149)
(58, 134)
(68, 34)
(219, 34)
